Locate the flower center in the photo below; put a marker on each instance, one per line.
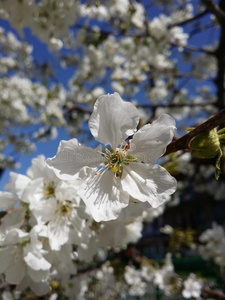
(115, 159)
(49, 189)
(63, 208)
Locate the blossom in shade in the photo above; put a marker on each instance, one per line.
(192, 287)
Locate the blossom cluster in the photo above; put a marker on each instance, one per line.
(134, 49)
(49, 232)
(213, 244)
(45, 220)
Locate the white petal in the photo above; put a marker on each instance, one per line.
(5, 258)
(15, 236)
(87, 251)
(134, 181)
(166, 184)
(44, 210)
(17, 183)
(36, 263)
(38, 167)
(33, 191)
(13, 219)
(58, 233)
(65, 257)
(113, 119)
(39, 275)
(15, 273)
(147, 182)
(67, 192)
(186, 294)
(71, 157)
(40, 288)
(151, 140)
(7, 200)
(104, 196)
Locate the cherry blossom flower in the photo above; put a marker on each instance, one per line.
(137, 287)
(23, 261)
(123, 169)
(192, 287)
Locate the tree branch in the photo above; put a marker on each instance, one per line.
(182, 143)
(200, 29)
(216, 293)
(216, 10)
(181, 23)
(193, 48)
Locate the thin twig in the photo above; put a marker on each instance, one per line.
(183, 142)
(193, 48)
(216, 293)
(181, 23)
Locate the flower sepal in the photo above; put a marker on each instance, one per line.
(208, 145)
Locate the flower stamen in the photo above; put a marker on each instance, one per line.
(115, 159)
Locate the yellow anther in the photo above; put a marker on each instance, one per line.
(115, 169)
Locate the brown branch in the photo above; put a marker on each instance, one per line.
(193, 48)
(182, 143)
(189, 20)
(216, 293)
(200, 29)
(216, 10)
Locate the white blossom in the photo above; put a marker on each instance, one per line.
(117, 173)
(192, 287)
